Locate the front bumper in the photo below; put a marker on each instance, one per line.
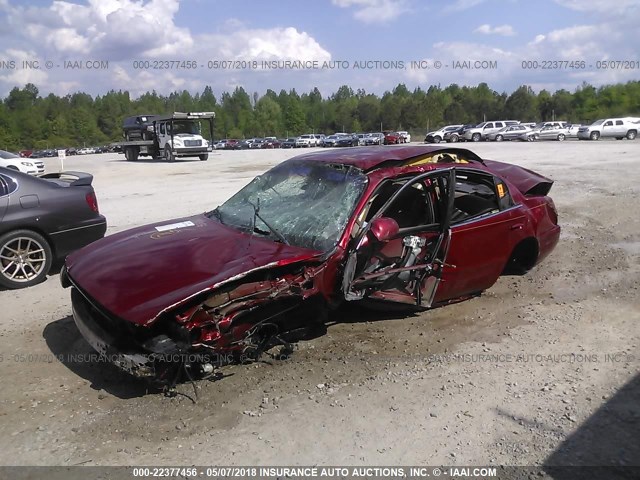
(190, 151)
(584, 135)
(90, 323)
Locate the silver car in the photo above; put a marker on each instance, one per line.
(480, 131)
(513, 132)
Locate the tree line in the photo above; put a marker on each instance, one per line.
(28, 120)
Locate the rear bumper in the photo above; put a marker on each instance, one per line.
(547, 241)
(72, 239)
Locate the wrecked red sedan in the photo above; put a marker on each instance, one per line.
(417, 226)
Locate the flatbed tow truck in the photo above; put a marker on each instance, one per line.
(174, 135)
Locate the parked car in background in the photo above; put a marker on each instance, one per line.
(15, 162)
(455, 136)
(552, 131)
(44, 219)
(483, 129)
(393, 138)
(330, 141)
(512, 132)
(289, 143)
(138, 127)
(25, 153)
(408, 227)
(271, 143)
(347, 141)
(374, 139)
(220, 144)
(405, 135)
(617, 128)
(307, 140)
(256, 143)
(439, 135)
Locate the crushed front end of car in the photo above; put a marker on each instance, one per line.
(235, 323)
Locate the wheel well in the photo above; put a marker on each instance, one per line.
(523, 257)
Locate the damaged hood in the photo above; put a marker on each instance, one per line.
(139, 273)
(527, 181)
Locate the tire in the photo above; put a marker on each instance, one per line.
(168, 155)
(131, 154)
(28, 267)
(454, 138)
(204, 157)
(499, 138)
(631, 134)
(475, 137)
(561, 137)
(594, 136)
(437, 139)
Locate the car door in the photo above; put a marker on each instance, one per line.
(513, 132)
(620, 128)
(399, 255)
(485, 226)
(608, 129)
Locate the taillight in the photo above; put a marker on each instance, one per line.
(92, 201)
(553, 212)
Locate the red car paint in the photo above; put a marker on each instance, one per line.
(206, 276)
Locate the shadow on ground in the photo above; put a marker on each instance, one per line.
(606, 445)
(66, 343)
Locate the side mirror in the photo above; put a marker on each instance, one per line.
(384, 229)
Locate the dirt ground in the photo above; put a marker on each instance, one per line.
(540, 369)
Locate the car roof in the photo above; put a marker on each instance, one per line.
(367, 158)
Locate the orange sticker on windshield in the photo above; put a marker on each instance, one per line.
(500, 190)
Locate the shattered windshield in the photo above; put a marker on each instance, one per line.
(301, 203)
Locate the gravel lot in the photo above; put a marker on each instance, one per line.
(540, 369)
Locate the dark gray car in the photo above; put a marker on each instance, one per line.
(42, 220)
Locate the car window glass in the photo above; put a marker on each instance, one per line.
(413, 207)
(608, 124)
(475, 195)
(7, 185)
(162, 128)
(499, 125)
(618, 122)
(489, 125)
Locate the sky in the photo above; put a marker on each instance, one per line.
(95, 46)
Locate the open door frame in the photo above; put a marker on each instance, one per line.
(423, 276)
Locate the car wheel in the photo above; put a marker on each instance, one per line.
(453, 138)
(25, 259)
(594, 135)
(475, 137)
(631, 134)
(131, 154)
(204, 156)
(561, 137)
(499, 138)
(437, 139)
(168, 155)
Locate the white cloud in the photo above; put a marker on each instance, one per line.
(374, 11)
(504, 30)
(611, 7)
(460, 5)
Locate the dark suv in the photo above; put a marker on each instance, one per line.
(139, 127)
